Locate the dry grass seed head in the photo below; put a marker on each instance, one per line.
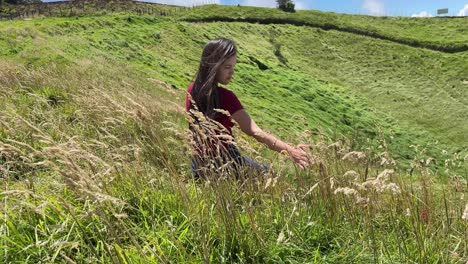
(465, 213)
(354, 156)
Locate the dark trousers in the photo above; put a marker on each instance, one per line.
(229, 161)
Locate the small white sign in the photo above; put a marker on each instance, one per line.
(442, 11)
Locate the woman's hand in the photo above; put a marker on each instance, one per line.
(248, 126)
(299, 155)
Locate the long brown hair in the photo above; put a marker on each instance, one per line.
(204, 91)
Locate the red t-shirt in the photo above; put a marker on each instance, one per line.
(227, 101)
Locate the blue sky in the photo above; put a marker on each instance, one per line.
(367, 7)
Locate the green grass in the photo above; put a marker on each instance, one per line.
(96, 165)
(425, 32)
(335, 72)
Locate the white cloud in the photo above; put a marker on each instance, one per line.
(260, 3)
(463, 11)
(300, 5)
(185, 2)
(272, 3)
(422, 14)
(374, 7)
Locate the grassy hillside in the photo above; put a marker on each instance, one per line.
(344, 84)
(94, 171)
(95, 161)
(434, 33)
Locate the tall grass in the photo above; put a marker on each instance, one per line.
(94, 170)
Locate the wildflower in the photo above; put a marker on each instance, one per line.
(408, 212)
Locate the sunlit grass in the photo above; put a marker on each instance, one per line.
(116, 186)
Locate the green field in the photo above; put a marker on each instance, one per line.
(96, 166)
(432, 33)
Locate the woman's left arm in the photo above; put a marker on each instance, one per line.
(248, 126)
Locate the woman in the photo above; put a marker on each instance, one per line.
(212, 109)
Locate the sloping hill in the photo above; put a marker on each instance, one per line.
(443, 34)
(332, 78)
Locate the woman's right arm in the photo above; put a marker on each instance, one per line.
(248, 126)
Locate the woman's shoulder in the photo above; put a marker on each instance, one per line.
(223, 90)
(229, 100)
